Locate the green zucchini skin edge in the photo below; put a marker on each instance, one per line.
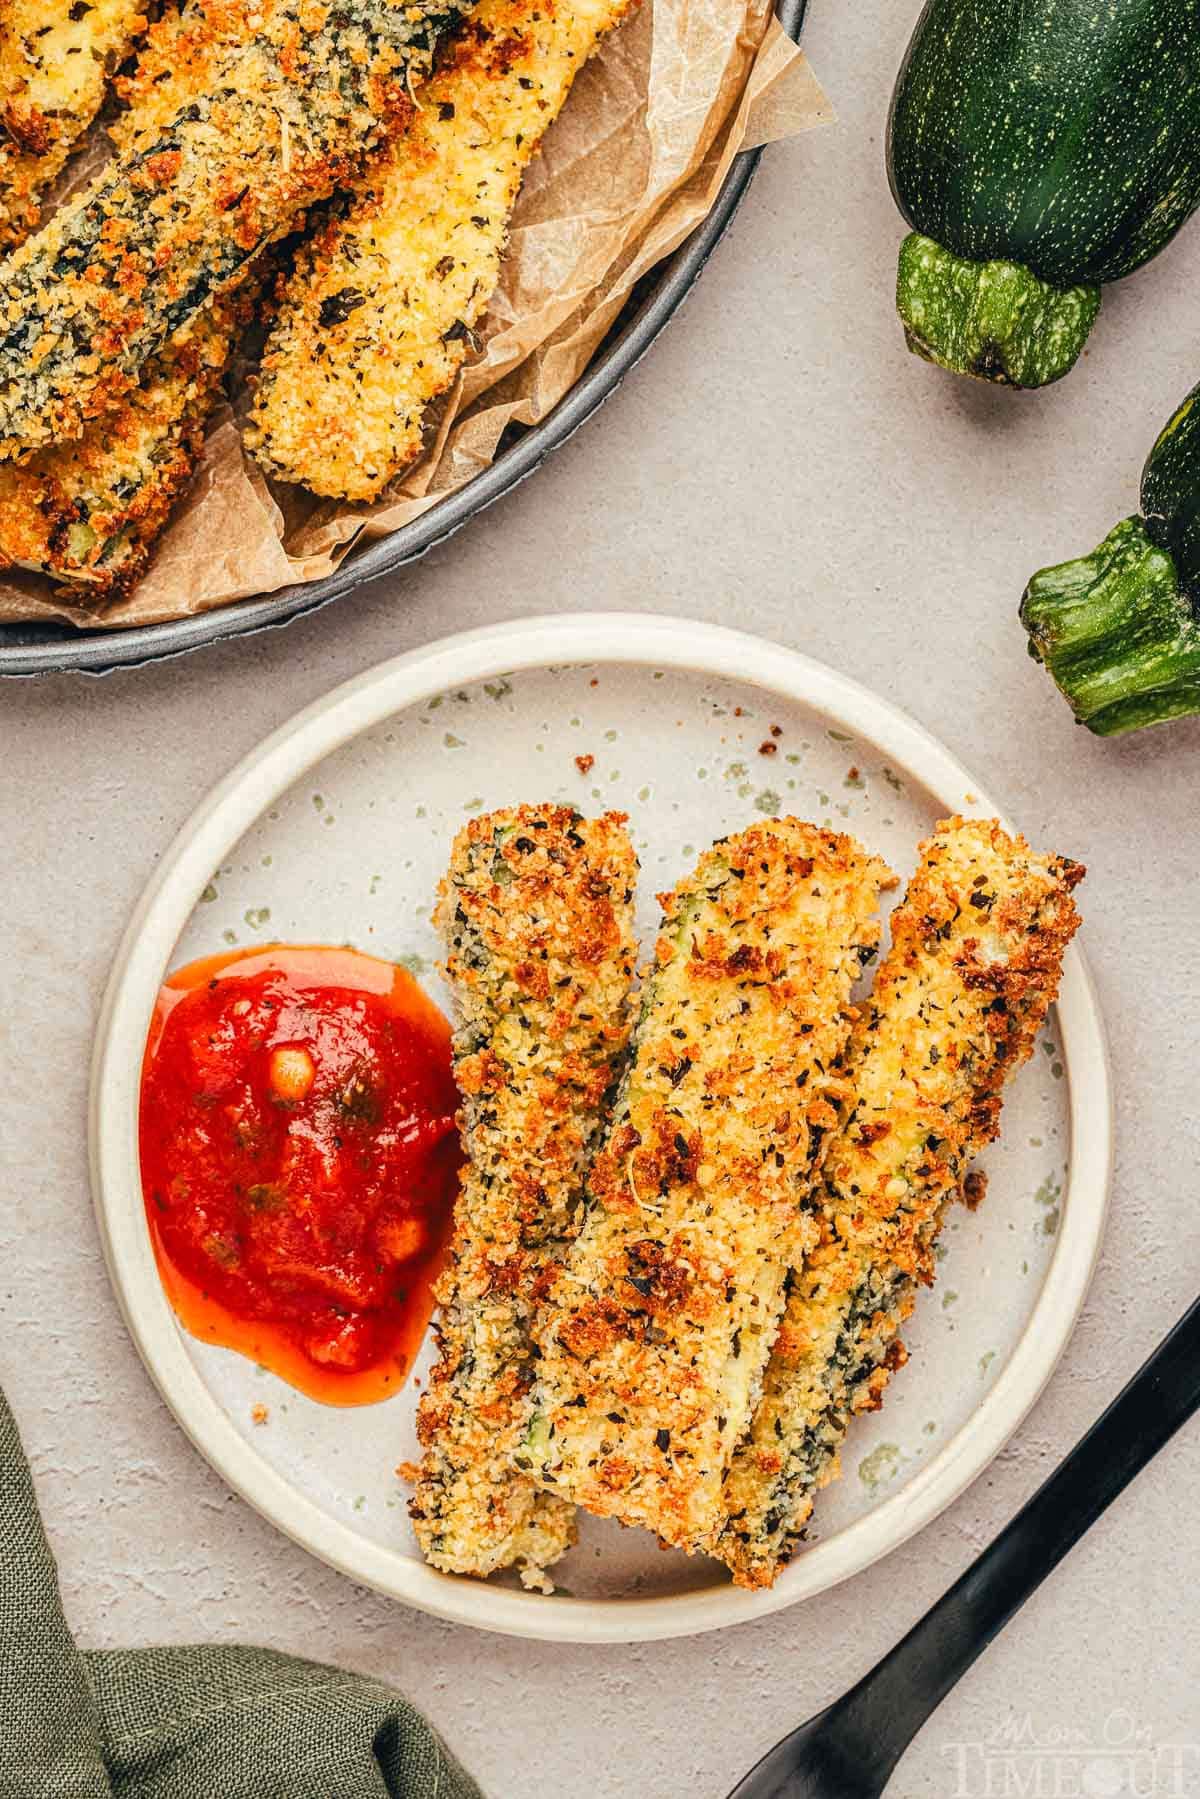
(1170, 496)
(1058, 139)
(993, 320)
(1117, 633)
(1119, 630)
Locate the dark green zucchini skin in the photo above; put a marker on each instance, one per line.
(1171, 493)
(1119, 630)
(1063, 135)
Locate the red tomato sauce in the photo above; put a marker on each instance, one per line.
(300, 1161)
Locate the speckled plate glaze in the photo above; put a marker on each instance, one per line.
(338, 828)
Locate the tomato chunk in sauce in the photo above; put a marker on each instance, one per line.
(300, 1161)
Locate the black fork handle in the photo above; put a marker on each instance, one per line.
(870, 1728)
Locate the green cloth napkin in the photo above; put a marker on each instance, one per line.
(194, 1723)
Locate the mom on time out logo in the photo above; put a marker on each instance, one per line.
(1017, 1761)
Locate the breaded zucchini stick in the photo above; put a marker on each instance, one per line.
(89, 512)
(537, 915)
(377, 318)
(56, 58)
(975, 959)
(658, 1327)
(301, 91)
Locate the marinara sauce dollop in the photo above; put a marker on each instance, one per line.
(300, 1161)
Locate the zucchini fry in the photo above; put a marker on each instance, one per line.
(378, 316)
(657, 1329)
(300, 93)
(537, 915)
(88, 513)
(974, 964)
(56, 60)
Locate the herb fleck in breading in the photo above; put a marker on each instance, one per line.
(537, 915)
(657, 1329)
(975, 959)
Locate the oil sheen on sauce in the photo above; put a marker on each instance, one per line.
(300, 1161)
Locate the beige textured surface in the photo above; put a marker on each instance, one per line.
(884, 519)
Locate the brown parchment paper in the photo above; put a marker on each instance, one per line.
(633, 164)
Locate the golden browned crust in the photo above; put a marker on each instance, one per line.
(300, 92)
(974, 964)
(174, 64)
(378, 316)
(56, 58)
(654, 1337)
(88, 513)
(537, 915)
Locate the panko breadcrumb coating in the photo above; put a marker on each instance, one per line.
(56, 59)
(537, 915)
(378, 316)
(89, 512)
(656, 1332)
(174, 65)
(974, 964)
(301, 92)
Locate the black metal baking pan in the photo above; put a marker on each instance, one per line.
(34, 649)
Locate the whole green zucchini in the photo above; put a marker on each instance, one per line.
(1119, 630)
(1038, 148)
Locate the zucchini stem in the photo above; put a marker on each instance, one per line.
(1117, 633)
(994, 320)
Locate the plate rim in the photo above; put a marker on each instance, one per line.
(231, 808)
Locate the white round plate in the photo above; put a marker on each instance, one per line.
(337, 829)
